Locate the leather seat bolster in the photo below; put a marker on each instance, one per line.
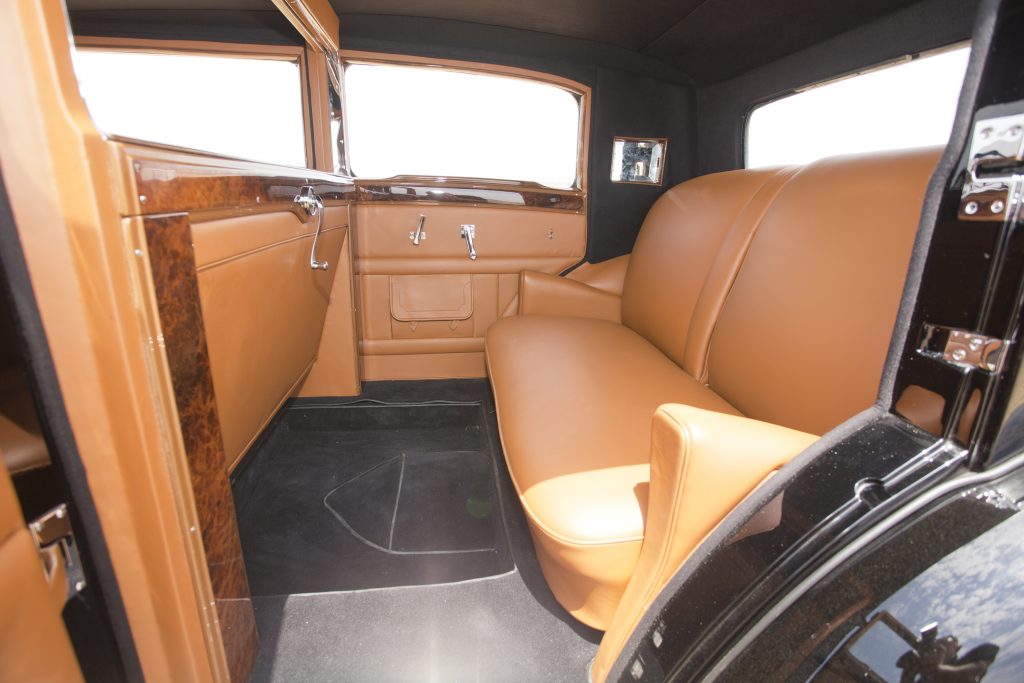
(703, 464)
(543, 294)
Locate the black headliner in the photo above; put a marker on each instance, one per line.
(710, 40)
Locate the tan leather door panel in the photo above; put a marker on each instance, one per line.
(263, 308)
(425, 308)
(34, 645)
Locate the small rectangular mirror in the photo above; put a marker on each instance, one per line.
(638, 160)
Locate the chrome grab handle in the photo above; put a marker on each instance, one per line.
(468, 233)
(417, 235)
(313, 205)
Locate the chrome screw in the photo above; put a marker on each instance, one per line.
(971, 208)
(998, 206)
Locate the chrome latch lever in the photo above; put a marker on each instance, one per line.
(313, 205)
(418, 235)
(468, 233)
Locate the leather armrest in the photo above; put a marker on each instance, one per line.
(703, 464)
(608, 276)
(543, 294)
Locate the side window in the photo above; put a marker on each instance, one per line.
(911, 104)
(240, 105)
(430, 121)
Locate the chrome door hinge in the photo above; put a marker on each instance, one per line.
(57, 547)
(996, 157)
(968, 350)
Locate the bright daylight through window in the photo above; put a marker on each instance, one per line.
(237, 106)
(911, 104)
(437, 122)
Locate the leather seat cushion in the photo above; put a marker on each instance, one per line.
(575, 399)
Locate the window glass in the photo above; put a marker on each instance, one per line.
(243, 107)
(911, 104)
(437, 122)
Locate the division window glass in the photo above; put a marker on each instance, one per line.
(430, 121)
(239, 106)
(911, 104)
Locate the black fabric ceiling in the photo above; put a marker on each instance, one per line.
(710, 40)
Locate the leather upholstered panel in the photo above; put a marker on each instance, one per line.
(677, 246)
(263, 308)
(576, 434)
(703, 464)
(448, 343)
(34, 644)
(543, 294)
(802, 337)
(21, 437)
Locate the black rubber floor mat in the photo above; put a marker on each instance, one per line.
(421, 503)
(385, 490)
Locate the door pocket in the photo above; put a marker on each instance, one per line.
(431, 305)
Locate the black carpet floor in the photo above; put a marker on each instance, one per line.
(396, 488)
(400, 557)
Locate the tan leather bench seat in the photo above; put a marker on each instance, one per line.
(582, 484)
(767, 293)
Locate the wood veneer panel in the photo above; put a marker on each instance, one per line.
(164, 186)
(172, 262)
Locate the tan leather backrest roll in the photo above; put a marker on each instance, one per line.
(802, 336)
(679, 243)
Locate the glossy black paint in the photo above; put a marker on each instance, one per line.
(972, 279)
(958, 564)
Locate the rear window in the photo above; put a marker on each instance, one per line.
(431, 121)
(911, 104)
(239, 106)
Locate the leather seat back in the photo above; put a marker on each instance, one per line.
(689, 248)
(802, 337)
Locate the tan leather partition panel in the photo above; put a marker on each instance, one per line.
(34, 645)
(336, 370)
(424, 308)
(703, 464)
(264, 309)
(812, 309)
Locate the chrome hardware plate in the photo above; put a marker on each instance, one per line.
(52, 532)
(418, 235)
(996, 154)
(964, 349)
(307, 200)
(468, 233)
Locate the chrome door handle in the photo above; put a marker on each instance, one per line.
(313, 205)
(468, 233)
(417, 235)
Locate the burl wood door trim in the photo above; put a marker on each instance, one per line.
(173, 267)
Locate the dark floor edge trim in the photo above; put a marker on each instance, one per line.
(317, 403)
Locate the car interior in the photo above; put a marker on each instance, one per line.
(358, 362)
